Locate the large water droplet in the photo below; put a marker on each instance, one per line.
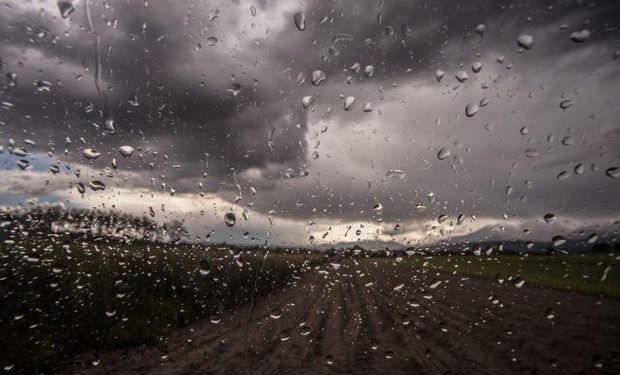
(230, 219)
(471, 109)
(439, 74)
(66, 7)
(300, 20)
(580, 36)
(90, 154)
(526, 41)
(318, 76)
(96, 185)
(476, 67)
(349, 101)
(307, 101)
(443, 153)
(126, 150)
(613, 172)
(461, 76)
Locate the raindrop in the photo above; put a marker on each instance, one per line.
(566, 103)
(90, 154)
(125, 151)
(531, 152)
(211, 41)
(20, 152)
(377, 207)
(471, 109)
(518, 282)
(580, 36)
(307, 101)
(66, 7)
(349, 101)
(439, 75)
(275, 313)
(369, 71)
(563, 175)
(526, 41)
(96, 185)
(230, 219)
(550, 314)
(480, 29)
(253, 10)
(443, 153)
(579, 168)
(300, 20)
(355, 68)
(476, 67)
(215, 318)
(234, 89)
(558, 241)
(108, 126)
(318, 76)
(368, 107)
(11, 79)
(549, 218)
(23, 164)
(613, 172)
(461, 76)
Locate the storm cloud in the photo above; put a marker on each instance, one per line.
(210, 95)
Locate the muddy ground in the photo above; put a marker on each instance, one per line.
(377, 318)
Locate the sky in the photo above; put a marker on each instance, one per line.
(218, 102)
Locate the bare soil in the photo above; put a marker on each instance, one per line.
(357, 320)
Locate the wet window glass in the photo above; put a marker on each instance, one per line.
(309, 186)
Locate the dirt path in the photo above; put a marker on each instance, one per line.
(339, 323)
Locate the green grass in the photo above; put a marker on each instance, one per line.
(580, 272)
(62, 296)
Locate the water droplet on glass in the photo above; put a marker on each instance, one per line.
(307, 101)
(367, 107)
(66, 7)
(318, 76)
(96, 185)
(108, 126)
(443, 153)
(613, 172)
(215, 318)
(566, 103)
(377, 207)
(125, 151)
(253, 10)
(369, 71)
(461, 76)
(439, 74)
(531, 152)
(518, 282)
(349, 101)
(476, 67)
(230, 219)
(549, 218)
(90, 154)
(558, 241)
(300, 20)
(550, 314)
(526, 41)
(234, 89)
(580, 36)
(471, 109)
(275, 313)
(211, 41)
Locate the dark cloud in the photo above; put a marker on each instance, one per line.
(210, 111)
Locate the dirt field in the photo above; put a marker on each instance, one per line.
(405, 322)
